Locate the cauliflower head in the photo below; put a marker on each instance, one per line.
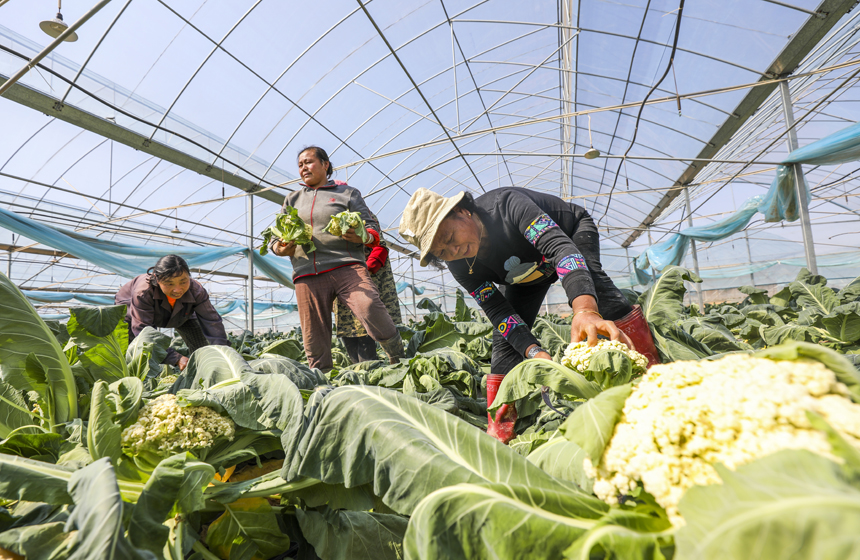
(165, 428)
(577, 355)
(340, 224)
(684, 417)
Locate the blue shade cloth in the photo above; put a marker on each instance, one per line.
(53, 316)
(734, 271)
(60, 297)
(778, 204)
(131, 260)
(418, 290)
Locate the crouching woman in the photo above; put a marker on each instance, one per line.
(167, 297)
(506, 248)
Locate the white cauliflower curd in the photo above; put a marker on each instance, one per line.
(577, 355)
(163, 427)
(683, 417)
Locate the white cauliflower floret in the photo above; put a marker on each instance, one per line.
(163, 427)
(684, 417)
(577, 355)
(167, 379)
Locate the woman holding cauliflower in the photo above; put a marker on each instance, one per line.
(507, 247)
(333, 266)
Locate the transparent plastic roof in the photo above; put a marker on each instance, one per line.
(447, 95)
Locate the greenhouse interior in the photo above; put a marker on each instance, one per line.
(714, 145)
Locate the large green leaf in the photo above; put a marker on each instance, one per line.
(98, 515)
(502, 521)
(462, 313)
(248, 528)
(792, 504)
(353, 535)
(300, 374)
(843, 322)
(675, 344)
(663, 303)
(553, 337)
(563, 459)
(591, 425)
(851, 292)
(13, 411)
(443, 333)
(101, 335)
(34, 481)
(714, 334)
(755, 295)
(146, 353)
(783, 333)
(211, 365)
(46, 447)
(288, 348)
(405, 448)
(22, 333)
(816, 298)
(529, 375)
(45, 541)
(146, 527)
(103, 434)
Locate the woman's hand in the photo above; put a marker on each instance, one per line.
(539, 355)
(182, 363)
(352, 237)
(284, 249)
(588, 324)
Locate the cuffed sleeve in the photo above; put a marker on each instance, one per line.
(557, 247)
(211, 322)
(376, 259)
(500, 312)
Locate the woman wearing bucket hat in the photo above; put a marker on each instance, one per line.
(337, 268)
(506, 248)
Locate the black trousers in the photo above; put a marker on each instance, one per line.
(527, 299)
(192, 333)
(359, 348)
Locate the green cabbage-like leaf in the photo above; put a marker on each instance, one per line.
(592, 424)
(792, 504)
(289, 227)
(23, 333)
(405, 448)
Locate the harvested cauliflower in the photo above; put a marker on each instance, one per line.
(340, 224)
(164, 428)
(684, 417)
(578, 354)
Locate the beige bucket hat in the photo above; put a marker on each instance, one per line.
(422, 216)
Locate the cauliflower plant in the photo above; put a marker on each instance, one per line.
(340, 223)
(683, 417)
(164, 428)
(577, 355)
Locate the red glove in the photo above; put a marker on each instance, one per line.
(376, 259)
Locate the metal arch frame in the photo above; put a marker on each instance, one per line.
(768, 117)
(524, 78)
(624, 95)
(414, 84)
(271, 86)
(474, 82)
(205, 60)
(791, 56)
(657, 43)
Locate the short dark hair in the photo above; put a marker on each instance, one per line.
(167, 267)
(320, 155)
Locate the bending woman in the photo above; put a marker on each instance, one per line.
(167, 297)
(336, 270)
(506, 248)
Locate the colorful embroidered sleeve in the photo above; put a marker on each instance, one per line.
(500, 312)
(554, 244)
